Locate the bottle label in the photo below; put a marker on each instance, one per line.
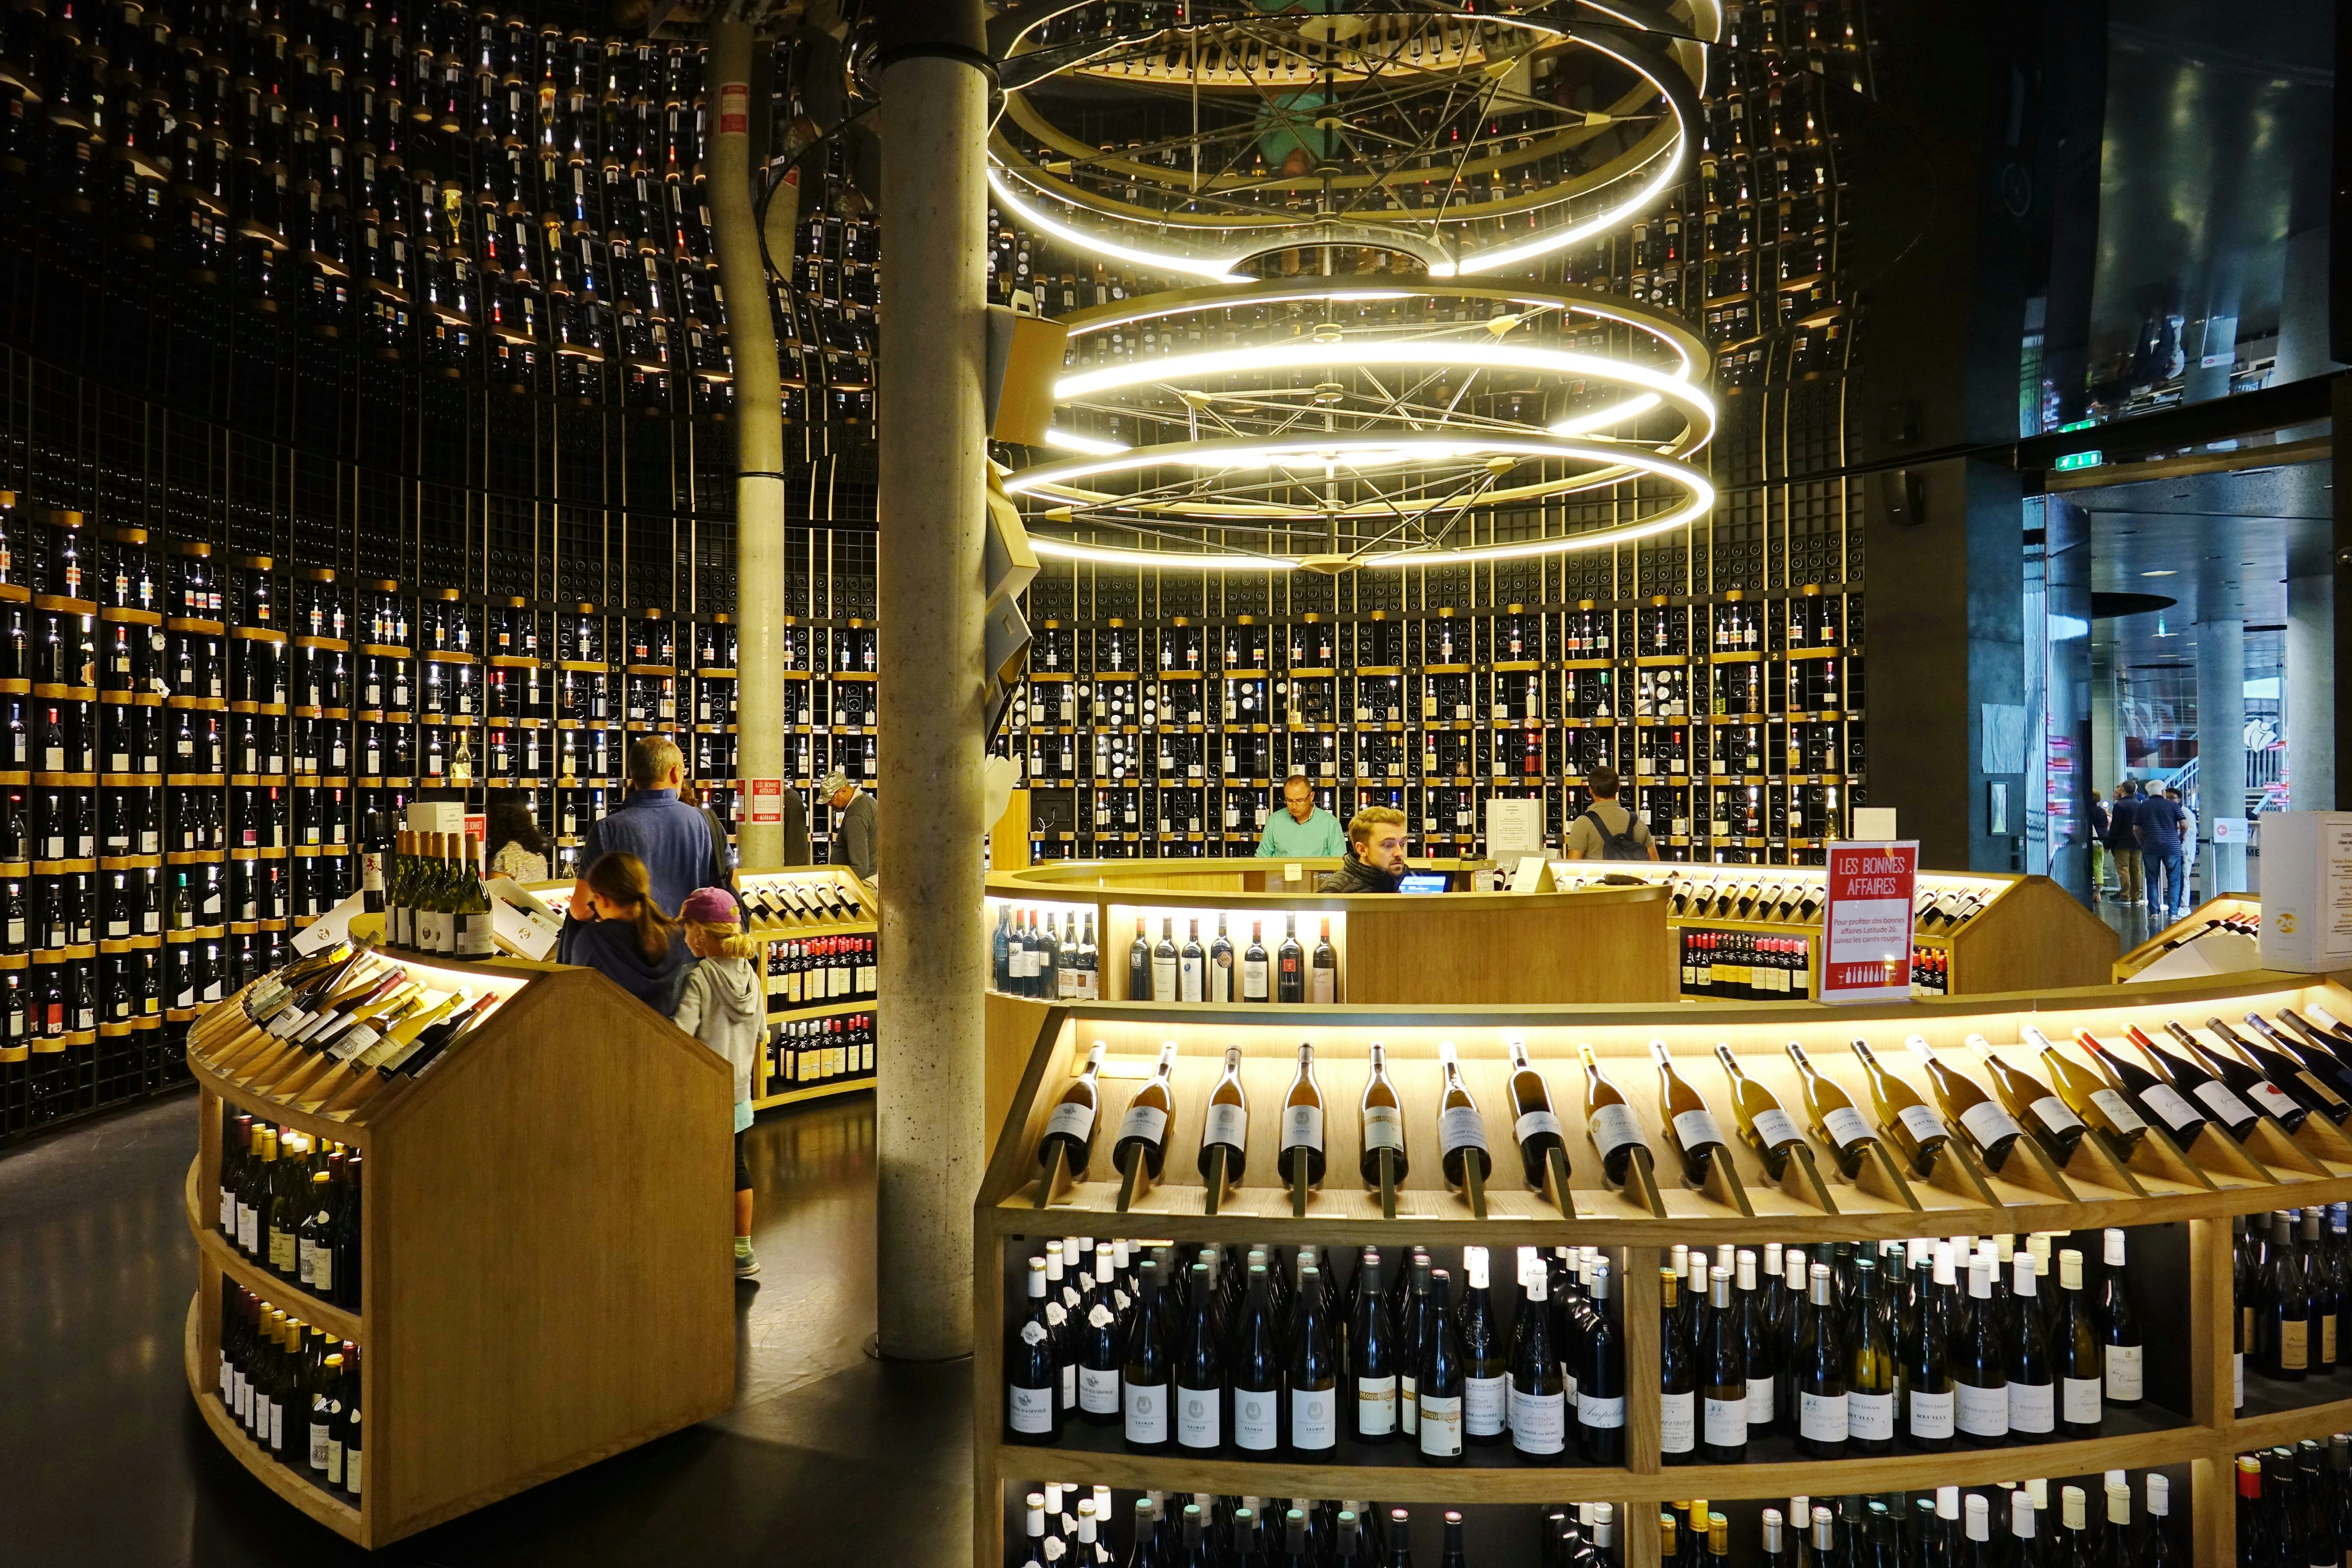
(1535, 1123)
(1696, 1129)
(1189, 981)
(2032, 1406)
(2055, 1115)
(2293, 1338)
(1323, 984)
(1440, 1426)
(1145, 1121)
(1199, 1413)
(475, 939)
(1678, 1423)
(2222, 1102)
(1314, 1418)
(1408, 1406)
(2078, 1400)
(1163, 979)
(1981, 1412)
(1226, 1124)
(1376, 1405)
(1256, 1420)
(282, 1254)
(1252, 979)
(1030, 1409)
(2272, 1099)
(2166, 1102)
(1821, 1416)
(1302, 1127)
(1597, 1410)
(1931, 1414)
(2238, 1381)
(1383, 1129)
(1612, 1127)
(1759, 1401)
(1461, 1127)
(1074, 1119)
(1920, 1123)
(1484, 1401)
(1775, 1128)
(322, 1270)
(2117, 1110)
(1870, 1417)
(1539, 1422)
(1846, 1127)
(1727, 1422)
(1988, 1123)
(1098, 1391)
(305, 1261)
(1145, 1409)
(2123, 1369)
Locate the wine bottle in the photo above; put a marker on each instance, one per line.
(1928, 1395)
(1033, 1380)
(1253, 1371)
(1844, 1131)
(1253, 966)
(1438, 1379)
(1903, 1116)
(1485, 1364)
(1164, 962)
(1819, 1371)
(1533, 1122)
(2151, 1096)
(1691, 1129)
(2090, 1099)
(1383, 1124)
(1221, 965)
(1312, 1375)
(1198, 1372)
(1224, 1124)
(1371, 1386)
(1772, 1131)
(1600, 1377)
(2117, 1328)
(2288, 1074)
(1324, 972)
(1290, 964)
(2271, 1098)
(1723, 1370)
(2032, 1380)
(1461, 1132)
(1677, 1377)
(2075, 1351)
(1139, 965)
(1302, 1125)
(1538, 1402)
(2187, 1076)
(1990, 1126)
(1873, 1374)
(1143, 1131)
(1980, 1363)
(1099, 1344)
(1193, 966)
(1143, 1377)
(2285, 1321)
(2321, 1066)
(1608, 1121)
(1070, 1125)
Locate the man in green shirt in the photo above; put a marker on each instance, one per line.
(1301, 830)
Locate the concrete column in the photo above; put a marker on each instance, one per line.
(2310, 705)
(759, 424)
(2107, 730)
(2220, 749)
(933, 452)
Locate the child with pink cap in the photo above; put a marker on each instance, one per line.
(724, 1007)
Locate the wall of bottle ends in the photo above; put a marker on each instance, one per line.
(2141, 1516)
(510, 203)
(1734, 723)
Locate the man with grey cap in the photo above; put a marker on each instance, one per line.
(853, 829)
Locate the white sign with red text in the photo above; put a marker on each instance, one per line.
(1866, 923)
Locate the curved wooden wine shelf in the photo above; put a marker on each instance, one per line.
(332, 1511)
(2214, 1178)
(339, 1321)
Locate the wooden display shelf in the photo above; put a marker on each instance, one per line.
(503, 1342)
(2247, 906)
(2205, 1188)
(815, 1091)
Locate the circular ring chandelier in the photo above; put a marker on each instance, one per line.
(1309, 408)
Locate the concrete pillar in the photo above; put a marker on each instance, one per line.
(759, 424)
(2310, 704)
(933, 451)
(2220, 750)
(2106, 726)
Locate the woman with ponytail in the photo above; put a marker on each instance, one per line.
(724, 1005)
(623, 935)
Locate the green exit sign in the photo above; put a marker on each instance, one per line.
(2090, 459)
(2077, 425)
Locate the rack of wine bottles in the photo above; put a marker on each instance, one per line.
(2237, 918)
(373, 1229)
(1627, 1254)
(821, 931)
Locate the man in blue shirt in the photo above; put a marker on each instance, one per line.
(2159, 822)
(672, 836)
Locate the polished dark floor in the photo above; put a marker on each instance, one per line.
(828, 1457)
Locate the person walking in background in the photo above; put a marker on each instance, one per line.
(1606, 830)
(2159, 822)
(671, 837)
(620, 930)
(852, 828)
(2125, 842)
(2100, 828)
(724, 1005)
(1301, 830)
(517, 849)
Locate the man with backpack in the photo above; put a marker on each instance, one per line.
(1606, 830)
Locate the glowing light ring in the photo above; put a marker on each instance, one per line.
(1662, 166)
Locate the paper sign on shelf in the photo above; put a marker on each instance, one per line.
(520, 933)
(1514, 828)
(764, 802)
(1866, 922)
(2307, 891)
(1531, 874)
(329, 928)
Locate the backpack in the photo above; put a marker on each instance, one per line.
(1618, 846)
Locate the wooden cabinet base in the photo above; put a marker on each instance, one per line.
(203, 1385)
